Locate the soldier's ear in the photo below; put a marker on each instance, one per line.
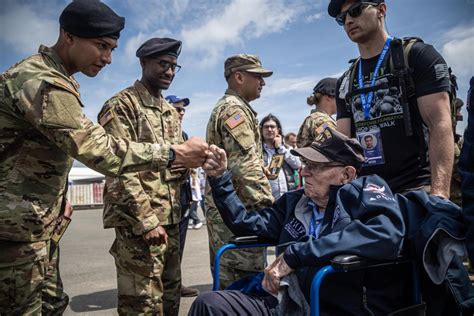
(68, 37)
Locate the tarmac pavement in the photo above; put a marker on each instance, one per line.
(88, 270)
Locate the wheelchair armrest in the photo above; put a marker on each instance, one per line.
(250, 240)
(352, 262)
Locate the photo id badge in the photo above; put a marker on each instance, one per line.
(373, 149)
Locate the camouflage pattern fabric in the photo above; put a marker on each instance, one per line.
(456, 189)
(148, 277)
(54, 299)
(139, 202)
(42, 128)
(144, 199)
(21, 279)
(233, 126)
(312, 126)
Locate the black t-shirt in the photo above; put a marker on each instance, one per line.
(401, 160)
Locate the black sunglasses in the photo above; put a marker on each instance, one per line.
(354, 11)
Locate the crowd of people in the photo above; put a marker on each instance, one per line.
(378, 150)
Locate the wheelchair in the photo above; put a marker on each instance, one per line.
(339, 264)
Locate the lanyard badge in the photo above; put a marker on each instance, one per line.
(367, 99)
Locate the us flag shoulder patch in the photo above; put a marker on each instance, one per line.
(235, 121)
(107, 117)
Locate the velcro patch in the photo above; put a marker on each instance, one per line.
(235, 121)
(66, 86)
(107, 117)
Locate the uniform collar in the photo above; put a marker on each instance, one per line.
(58, 64)
(147, 99)
(229, 91)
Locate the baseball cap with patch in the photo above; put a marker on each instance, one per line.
(245, 62)
(176, 99)
(331, 145)
(335, 6)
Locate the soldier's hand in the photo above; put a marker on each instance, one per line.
(156, 236)
(192, 153)
(68, 210)
(216, 162)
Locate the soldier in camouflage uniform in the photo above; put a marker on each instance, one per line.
(233, 126)
(324, 98)
(42, 128)
(144, 207)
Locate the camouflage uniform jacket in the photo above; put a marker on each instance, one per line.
(144, 199)
(312, 126)
(233, 126)
(42, 127)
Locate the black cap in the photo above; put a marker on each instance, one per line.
(159, 46)
(90, 19)
(330, 145)
(326, 86)
(335, 6)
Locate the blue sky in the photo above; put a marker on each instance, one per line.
(294, 38)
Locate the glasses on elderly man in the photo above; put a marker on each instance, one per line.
(354, 11)
(165, 65)
(315, 167)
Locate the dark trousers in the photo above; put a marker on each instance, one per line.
(183, 230)
(222, 303)
(193, 216)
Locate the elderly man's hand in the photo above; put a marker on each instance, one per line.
(274, 273)
(216, 162)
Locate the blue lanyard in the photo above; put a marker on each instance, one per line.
(314, 226)
(367, 100)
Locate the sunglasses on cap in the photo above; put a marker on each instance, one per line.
(354, 11)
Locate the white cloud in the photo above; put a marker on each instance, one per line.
(458, 50)
(281, 86)
(238, 21)
(23, 28)
(315, 17)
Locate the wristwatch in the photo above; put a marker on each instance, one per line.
(171, 157)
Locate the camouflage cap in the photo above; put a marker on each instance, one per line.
(245, 62)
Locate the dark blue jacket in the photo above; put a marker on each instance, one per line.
(362, 218)
(428, 219)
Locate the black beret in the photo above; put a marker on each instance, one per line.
(159, 46)
(91, 18)
(335, 6)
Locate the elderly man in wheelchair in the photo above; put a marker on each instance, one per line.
(336, 213)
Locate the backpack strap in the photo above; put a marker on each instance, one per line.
(351, 75)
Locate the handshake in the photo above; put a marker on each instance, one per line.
(195, 152)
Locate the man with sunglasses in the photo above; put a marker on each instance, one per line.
(233, 126)
(335, 213)
(371, 104)
(144, 207)
(180, 105)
